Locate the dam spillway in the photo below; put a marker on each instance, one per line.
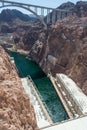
(44, 86)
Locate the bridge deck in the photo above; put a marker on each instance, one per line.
(37, 6)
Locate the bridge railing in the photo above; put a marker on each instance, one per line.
(46, 112)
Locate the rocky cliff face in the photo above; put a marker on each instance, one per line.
(68, 44)
(30, 36)
(65, 50)
(8, 15)
(80, 8)
(16, 111)
(67, 6)
(14, 20)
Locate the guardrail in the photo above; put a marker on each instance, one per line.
(43, 104)
(61, 97)
(75, 104)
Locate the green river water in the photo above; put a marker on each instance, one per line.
(49, 96)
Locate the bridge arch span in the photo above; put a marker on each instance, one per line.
(42, 21)
(52, 14)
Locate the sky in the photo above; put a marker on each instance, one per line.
(47, 3)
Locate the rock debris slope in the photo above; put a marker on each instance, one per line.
(16, 111)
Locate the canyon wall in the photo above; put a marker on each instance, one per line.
(64, 50)
(16, 111)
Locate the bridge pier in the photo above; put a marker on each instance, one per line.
(66, 14)
(58, 15)
(48, 16)
(42, 11)
(82, 11)
(69, 14)
(3, 3)
(28, 7)
(63, 15)
(53, 16)
(36, 10)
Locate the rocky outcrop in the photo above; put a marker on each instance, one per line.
(81, 9)
(14, 21)
(5, 28)
(65, 50)
(16, 111)
(31, 36)
(8, 15)
(67, 6)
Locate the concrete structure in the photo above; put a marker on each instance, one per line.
(76, 100)
(52, 14)
(12, 59)
(42, 116)
(52, 59)
(75, 124)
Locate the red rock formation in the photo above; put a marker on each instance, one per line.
(16, 111)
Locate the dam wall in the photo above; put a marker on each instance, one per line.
(76, 100)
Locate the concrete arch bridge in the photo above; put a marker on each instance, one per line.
(45, 14)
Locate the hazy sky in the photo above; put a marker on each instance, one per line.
(47, 3)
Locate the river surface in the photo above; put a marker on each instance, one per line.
(48, 94)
